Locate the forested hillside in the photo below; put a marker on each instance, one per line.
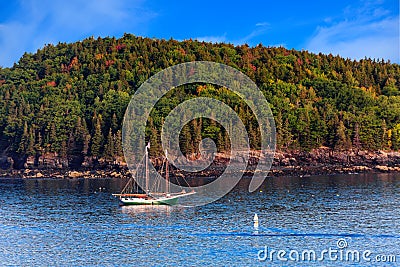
(68, 100)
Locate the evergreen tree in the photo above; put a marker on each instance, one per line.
(118, 152)
(341, 140)
(356, 137)
(109, 147)
(97, 138)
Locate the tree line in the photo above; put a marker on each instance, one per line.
(68, 100)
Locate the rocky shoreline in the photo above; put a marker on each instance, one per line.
(321, 161)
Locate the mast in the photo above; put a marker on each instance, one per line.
(147, 168)
(166, 172)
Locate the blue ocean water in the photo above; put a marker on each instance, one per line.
(345, 220)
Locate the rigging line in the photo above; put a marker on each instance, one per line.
(131, 186)
(184, 179)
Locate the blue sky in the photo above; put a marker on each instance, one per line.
(350, 28)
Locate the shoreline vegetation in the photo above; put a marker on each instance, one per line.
(321, 161)
(62, 107)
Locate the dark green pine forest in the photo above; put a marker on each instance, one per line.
(67, 101)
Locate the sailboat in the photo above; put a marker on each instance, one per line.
(151, 194)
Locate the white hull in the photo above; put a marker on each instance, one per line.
(164, 200)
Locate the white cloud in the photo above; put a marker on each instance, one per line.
(260, 28)
(371, 33)
(38, 22)
(262, 24)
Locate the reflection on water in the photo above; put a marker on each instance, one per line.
(148, 209)
(78, 222)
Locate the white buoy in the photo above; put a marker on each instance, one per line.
(255, 219)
